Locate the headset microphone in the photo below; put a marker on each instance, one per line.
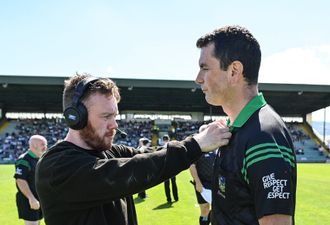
(122, 133)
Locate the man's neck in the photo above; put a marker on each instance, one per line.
(238, 101)
(74, 137)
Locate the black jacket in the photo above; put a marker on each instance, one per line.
(79, 186)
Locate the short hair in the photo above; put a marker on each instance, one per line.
(103, 85)
(233, 43)
(144, 141)
(166, 137)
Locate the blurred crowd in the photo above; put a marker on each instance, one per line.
(15, 142)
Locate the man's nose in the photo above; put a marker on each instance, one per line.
(199, 79)
(113, 124)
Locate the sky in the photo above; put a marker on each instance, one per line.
(156, 39)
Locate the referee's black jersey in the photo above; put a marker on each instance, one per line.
(255, 174)
(25, 170)
(204, 168)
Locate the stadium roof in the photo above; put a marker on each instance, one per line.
(44, 94)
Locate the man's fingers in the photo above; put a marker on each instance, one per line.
(214, 135)
(224, 142)
(225, 133)
(35, 205)
(221, 122)
(202, 128)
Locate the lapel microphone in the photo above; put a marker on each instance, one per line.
(122, 133)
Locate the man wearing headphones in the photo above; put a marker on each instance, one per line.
(86, 179)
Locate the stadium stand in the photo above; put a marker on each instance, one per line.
(135, 130)
(14, 137)
(42, 94)
(15, 133)
(306, 147)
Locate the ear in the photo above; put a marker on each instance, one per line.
(236, 70)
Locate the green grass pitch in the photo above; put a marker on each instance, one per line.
(313, 199)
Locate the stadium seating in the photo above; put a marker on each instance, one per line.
(310, 151)
(14, 138)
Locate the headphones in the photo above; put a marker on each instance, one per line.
(76, 115)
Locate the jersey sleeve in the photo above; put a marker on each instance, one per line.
(269, 168)
(75, 174)
(22, 168)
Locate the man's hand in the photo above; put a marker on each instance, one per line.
(25, 189)
(34, 203)
(215, 135)
(276, 219)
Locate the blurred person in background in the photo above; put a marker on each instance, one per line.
(27, 200)
(144, 144)
(202, 174)
(172, 180)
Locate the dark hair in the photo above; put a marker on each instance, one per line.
(103, 85)
(235, 43)
(166, 137)
(145, 142)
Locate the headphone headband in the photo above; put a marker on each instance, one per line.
(80, 89)
(76, 115)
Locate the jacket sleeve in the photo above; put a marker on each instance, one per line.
(79, 178)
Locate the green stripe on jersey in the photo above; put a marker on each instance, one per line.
(273, 150)
(265, 151)
(23, 163)
(267, 145)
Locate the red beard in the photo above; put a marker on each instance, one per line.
(97, 143)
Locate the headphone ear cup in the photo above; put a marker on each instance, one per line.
(83, 116)
(76, 116)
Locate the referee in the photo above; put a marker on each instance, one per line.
(255, 175)
(28, 205)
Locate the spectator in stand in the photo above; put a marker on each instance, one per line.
(26, 198)
(16, 143)
(300, 151)
(320, 149)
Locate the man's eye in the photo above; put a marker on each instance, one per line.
(107, 117)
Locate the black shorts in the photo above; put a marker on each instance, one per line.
(200, 199)
(24, 210)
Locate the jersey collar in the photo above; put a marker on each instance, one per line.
(256, 103)
(32, 154)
